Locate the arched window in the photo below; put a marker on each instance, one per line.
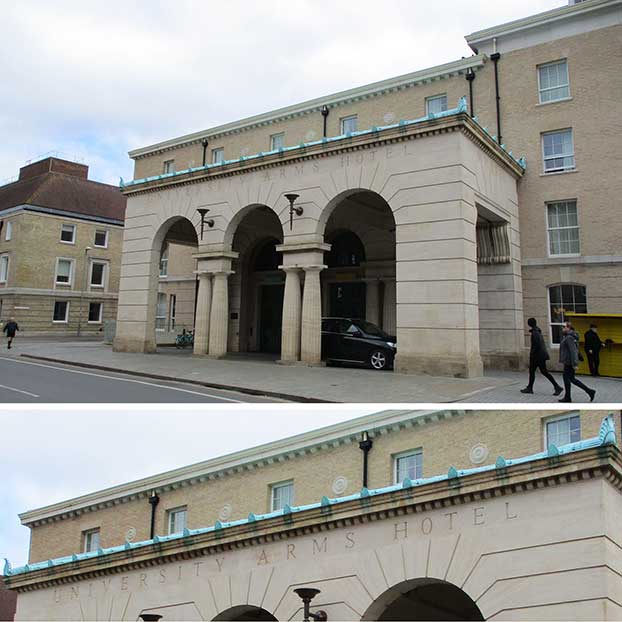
(346, 250)
(564, 298)
(164, 261)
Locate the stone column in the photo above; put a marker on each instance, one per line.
(389, 307)
(290, 340)
(372, 301)
(202, 321)
(311, 338)
(219, 316)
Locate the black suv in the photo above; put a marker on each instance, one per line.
(346, 340)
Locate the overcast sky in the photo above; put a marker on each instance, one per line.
(94, 80)
(63, 451)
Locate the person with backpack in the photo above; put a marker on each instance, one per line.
(10, 328)
(538, 356)
(569, 358)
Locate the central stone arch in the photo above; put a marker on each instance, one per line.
(245, 612)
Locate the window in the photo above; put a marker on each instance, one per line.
(160, 322)
(98, 274)
(563, 228)
(282, 495)
(169, 166)
(408, 464)
(436, 104)
(349, 124)
(61, 311)
(95, 312)
(277, 141)
(562, 430)
(9, 231)
(176, 520)
(218, 155)
(553, 81)
(101, 238)
(172, 312)
(4, 268)
(558, 151)
(164, 262)
(68, 234)
(64, 271)
(91, 540)
(562, 299)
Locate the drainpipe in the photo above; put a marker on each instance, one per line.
(495, 59)
(153, 501)
(325, 112)
(365, 446)
(204, 142)
(470, 76)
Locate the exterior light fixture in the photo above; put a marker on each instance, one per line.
(150, 617)
(209, 223)
(291, 198)
(307, 594)
(325, 112)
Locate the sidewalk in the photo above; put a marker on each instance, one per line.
(301, 383)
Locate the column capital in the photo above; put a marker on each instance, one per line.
(202, 273)
(313, 268)
(222, 272)
(290, 268)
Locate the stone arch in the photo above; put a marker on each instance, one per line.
(239, 216)
(245, 612)
(423, 598)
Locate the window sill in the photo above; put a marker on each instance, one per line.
(553, 173)
(60, 321)
(565, 256)
(98, 246)
(96, 286)
(91, 322)
(66, 242)
(67, 285)
(554, 101)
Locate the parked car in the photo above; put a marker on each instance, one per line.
(348, 340)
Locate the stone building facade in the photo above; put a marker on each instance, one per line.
(437, 232)
(61, 238)
(457, 514)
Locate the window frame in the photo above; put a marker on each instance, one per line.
(405, 454)
(172, 311)
(104, 283)
(343, 120)
(548, 296)
(5, 257)
(8, 232)
(168, 166)
(549, 204)
(106, 232)
(101, 312)
(218, 151)
(170, 513)
(555, 418)
(550, 88)
(289, 483)
(72, 271)
(431, 98)
(163, 262)
(66, 320)
(74, 233)
(545, 158)
(86, 535)
(158, 308)
(280, 135)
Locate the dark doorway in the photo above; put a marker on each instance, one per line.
(246, 612)
(270, 317)
(347, 300)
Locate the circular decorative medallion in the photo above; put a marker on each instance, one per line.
(225, 512)
(309, 136)
(389, 117)
(478, 453)
(130, 534)
(339, 485)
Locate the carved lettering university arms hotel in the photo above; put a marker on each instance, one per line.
(444, 205)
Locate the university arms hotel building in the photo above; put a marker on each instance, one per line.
(399, 515)
(445, 205)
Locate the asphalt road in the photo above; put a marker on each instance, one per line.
(36, 382)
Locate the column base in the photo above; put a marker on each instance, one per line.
(456, 367)
(128, 344)
(507, 361)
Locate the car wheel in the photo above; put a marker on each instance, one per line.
(378, 359)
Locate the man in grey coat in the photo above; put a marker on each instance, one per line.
(569, 358)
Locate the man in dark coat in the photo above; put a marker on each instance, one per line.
(569, 358)
(10, 328)
(593, 346)
(538, 356)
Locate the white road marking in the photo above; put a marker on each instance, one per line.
(2, 386)
(151, 384)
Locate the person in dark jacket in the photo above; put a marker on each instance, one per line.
(593, 346)
(538, 356)
(569, 358)
(10, 328)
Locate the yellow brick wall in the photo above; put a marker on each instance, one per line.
(445, 443)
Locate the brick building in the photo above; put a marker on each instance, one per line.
(60, 249)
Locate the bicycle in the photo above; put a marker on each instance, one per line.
(186, 338)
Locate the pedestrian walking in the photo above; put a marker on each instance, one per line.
(10, 328)
(538, 356)
(593, 346)
(569, 358)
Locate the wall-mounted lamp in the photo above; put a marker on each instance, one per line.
(307, 594)
(325, 112)
(209, 223)
(150, 617)
(291, 198)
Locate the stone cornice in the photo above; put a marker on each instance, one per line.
(341, 98)
(598, 462)
(278, 451)
(50, 211)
